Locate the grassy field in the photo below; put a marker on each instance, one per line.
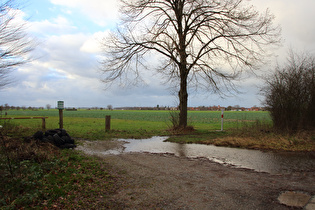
(241, 129)
(146, 115)
(133, 124)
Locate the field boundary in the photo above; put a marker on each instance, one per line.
(28, 118)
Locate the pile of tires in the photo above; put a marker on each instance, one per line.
(58, 137)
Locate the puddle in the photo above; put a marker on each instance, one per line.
(270, 162)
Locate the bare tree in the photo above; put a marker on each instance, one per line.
(48, 106)
(110, 107)
(15, 44)
(202, 43)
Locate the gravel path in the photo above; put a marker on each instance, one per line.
(164, 181)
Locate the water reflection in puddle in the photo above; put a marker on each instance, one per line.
(271, 162)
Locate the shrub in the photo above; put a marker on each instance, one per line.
(290, 94)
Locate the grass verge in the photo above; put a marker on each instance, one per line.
(258, 135)
(39, 175)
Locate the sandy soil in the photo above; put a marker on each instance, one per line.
(163, 181)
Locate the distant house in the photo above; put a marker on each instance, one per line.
(255, 108)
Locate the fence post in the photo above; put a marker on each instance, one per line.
(60, 118)
(44, 124)
(222, 112)
(61, 106)
(107, 123)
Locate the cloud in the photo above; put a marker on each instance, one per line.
(58, 25)
(65, 68)
(67, 64)
(295, 18)
(93, 43)
(100, 12)
(37, 84)
(63, 52)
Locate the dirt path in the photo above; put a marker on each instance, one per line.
(163, 181)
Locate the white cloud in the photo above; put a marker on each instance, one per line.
(61, 21)
(59, 25)
(100, 12)
(62, 52)
(296, 19)
(93, 43)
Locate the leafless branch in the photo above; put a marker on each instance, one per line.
(15, 44)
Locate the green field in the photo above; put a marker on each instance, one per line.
(144, 115)
(132, 124)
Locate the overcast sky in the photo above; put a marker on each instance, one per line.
(66, 65)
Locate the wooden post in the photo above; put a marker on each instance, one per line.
(44, 124)
(60, 118)
(107, 123)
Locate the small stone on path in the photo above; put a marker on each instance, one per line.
(311, 204)
(294, 199)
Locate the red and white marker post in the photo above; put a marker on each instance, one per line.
(222, 114)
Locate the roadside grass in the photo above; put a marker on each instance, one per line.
(251, 135)
(272, 141)
(39, 175)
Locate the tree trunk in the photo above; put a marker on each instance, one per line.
(183, 99)
(182, 94)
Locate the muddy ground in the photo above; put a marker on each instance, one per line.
(164, 181)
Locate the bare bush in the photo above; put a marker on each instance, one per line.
(290, 94)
